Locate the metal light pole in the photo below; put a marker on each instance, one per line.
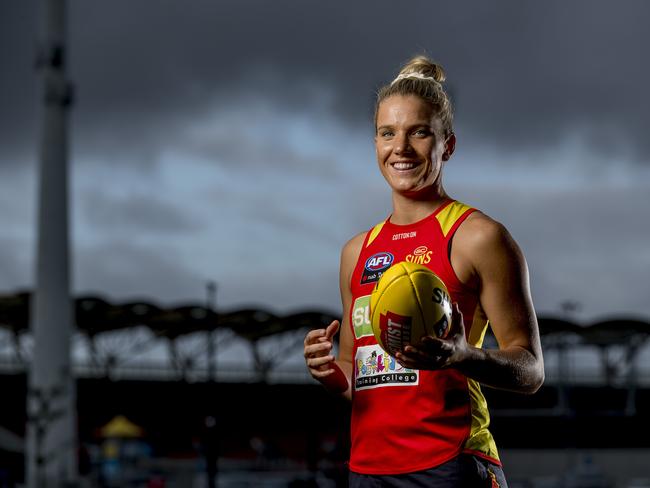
(51, 449)
(211, 292)
(211, 421)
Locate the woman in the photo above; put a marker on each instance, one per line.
(428, 427)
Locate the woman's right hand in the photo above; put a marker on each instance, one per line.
(320, 360)
(318, 351)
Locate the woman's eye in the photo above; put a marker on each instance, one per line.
(421, 132)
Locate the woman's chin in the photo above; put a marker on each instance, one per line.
(406, 187)
(416, 192)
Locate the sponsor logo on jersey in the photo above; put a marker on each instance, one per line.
(395, 331)
(375, 266)
(421, 255)
(405, 235)
(441, 297)
(375, 368)
(361, 317)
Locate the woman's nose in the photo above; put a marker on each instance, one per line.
(402, 145)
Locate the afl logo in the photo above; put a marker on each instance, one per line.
(379, 262)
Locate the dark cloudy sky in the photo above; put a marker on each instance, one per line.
(232, 141)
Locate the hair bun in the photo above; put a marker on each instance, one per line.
(422, 78)
(425, 67)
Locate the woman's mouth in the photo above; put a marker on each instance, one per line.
(405, 165)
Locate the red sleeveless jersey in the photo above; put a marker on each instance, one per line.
(408, 420)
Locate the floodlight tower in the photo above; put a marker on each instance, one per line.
(51, 449)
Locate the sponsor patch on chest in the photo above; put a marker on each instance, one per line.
(404, 235)
(375, 368)
(375, 265)
(361, 317)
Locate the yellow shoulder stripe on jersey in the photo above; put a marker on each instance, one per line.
(480, 439)
(375, 232)
(479, 326)
(450, 214)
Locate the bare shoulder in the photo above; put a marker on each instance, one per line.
(482, 238)
(352, 249)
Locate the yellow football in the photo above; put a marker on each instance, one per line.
(409, 302)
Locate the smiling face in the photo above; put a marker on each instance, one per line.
(411, 145)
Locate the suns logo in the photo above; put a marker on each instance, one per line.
(421, 255)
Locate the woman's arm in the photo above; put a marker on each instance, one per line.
(484, 254)
(336, 374)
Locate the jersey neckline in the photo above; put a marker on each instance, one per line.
(417, 223)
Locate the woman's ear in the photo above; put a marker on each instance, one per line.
(450, 145)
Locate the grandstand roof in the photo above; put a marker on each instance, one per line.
(95, 315)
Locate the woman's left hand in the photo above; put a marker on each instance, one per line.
(434, 353)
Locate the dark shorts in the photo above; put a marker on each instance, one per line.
(464, 471)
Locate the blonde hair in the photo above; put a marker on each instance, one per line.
(422, 78)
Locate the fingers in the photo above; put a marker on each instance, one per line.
(437, 353)
(455, 310)
(434, 345)
(457, 317)
(406, 362)
(431, 356)
(429, 353)
(430, 363)
(409, 358)
(332, 329)
(318, 346)
(321, 335)
(317, 363)
(320, 364)
(317, 350)
(313, 336)
(319, 342)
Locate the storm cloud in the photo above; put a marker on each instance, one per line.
(233, 140)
